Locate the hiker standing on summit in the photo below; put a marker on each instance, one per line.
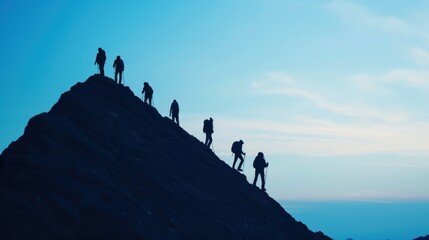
(237, 149)
(174, 111)
(259, 164)
(208, 130)
(118, 64)
(148, 92)
(100, 59)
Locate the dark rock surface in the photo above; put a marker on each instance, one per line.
(101, 164)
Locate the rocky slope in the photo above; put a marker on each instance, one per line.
(101, 164)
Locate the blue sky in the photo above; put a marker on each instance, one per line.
(335, 93)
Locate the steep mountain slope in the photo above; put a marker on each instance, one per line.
(101, 164)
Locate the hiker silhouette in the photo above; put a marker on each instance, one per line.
(118, 64)
(174, 111)
(237, 149)
(259, 164)
(208, 130)
(100, 59)
(148, 92)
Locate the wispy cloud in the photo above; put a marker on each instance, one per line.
(410, 163)
(359, 14)
(413, 77)
(314, 137)
(410, 77)
(283, 84)
(368, 130)
(420, 56)
(355, 13)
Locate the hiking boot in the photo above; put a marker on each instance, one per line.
(240, 170)
(263, 189)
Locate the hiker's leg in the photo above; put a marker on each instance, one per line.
(262, 179)
(210, 140)
(235, 160)
(241, 160)
(256, 178)
(175, 118)
(101, 68)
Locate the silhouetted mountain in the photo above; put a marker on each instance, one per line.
(422, 238)
(101, 164)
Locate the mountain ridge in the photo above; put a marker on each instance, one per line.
(102, 164)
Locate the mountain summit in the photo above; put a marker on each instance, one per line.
(101, 164)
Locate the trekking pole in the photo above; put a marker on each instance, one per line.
(244, 160)
(265, 177)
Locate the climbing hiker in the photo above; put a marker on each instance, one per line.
(237, 149)
(208, 130)
(118, 64)
(259, 164)
(174, 111)
(100, 59)
(148, 92)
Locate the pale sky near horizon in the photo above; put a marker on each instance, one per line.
(335, 93)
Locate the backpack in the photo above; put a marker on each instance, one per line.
(234, 147)
(259, 163)
(174, 107)
(149, 90)
(102, 56)
(206, 125)
(120, 65)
